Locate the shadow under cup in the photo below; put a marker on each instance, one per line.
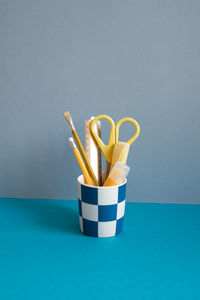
(101, 209)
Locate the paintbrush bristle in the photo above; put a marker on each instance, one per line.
(69, 120)
(66, 114)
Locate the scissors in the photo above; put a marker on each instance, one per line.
(107, 150)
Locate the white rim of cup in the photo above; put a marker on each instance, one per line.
(99, 187)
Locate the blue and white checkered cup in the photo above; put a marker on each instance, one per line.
(101, 209)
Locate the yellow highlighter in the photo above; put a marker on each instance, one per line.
(86, 175)
(117, 174)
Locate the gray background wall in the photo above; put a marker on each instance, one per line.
(123, 58)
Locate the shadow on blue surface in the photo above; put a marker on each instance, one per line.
(49, 215)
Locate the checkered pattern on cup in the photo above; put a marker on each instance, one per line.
(101, 209)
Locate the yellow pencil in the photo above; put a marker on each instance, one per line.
(86, 175)
(87, 163)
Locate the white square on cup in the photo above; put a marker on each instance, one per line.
(106, 229)
(89, 211)
(120, 209)
(108, 196)
(81, 223)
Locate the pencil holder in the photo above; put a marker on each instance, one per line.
(101, 209)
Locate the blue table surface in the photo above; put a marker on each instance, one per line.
(43, 255)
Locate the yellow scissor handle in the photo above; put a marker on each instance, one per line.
(106, 149)
(120, 122)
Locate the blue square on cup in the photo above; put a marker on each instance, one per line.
(89, 195)
(119, 225)
(107, 212)
(121, 193)
(90, 227)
